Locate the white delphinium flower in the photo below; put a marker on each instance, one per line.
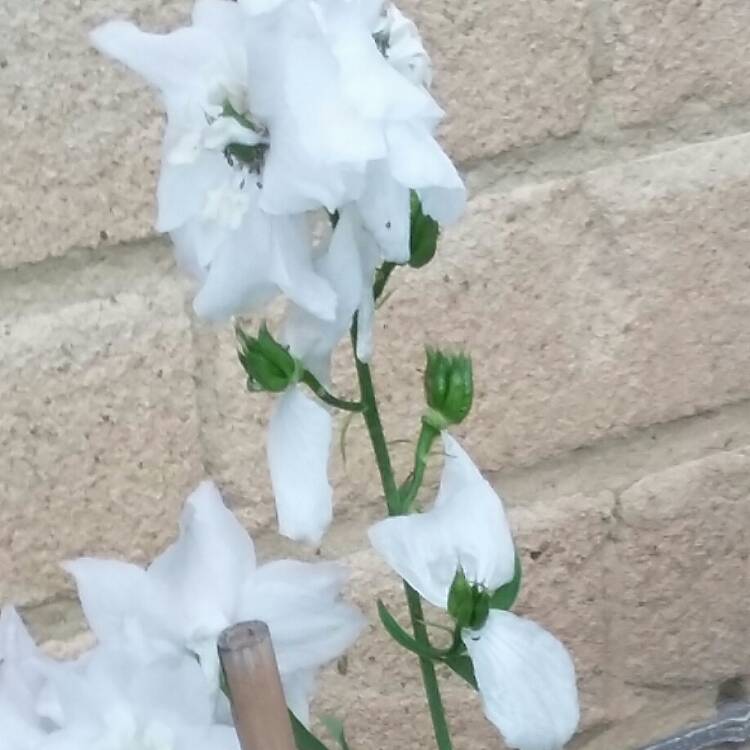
(525, 676)
(208, 580)
(230, 191)
(112, 700)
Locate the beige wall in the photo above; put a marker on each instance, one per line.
(601, 277)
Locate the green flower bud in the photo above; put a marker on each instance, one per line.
(449, 385)
(424, 234)
(268, 364)
(468, 603)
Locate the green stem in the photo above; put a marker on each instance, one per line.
(392, 496)
(429, 678)
(320, 391)
(409, 491)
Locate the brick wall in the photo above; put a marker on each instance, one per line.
(600, 278)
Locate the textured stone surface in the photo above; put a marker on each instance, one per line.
(80, 135)
(658, 57)
(565, 554)
(515, 75)
(98, 425)
(682, 549)
(595, 305)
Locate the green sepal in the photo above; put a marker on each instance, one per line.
(403, 638)
(505, 597)
(468, 603)
(424, 234)
(336, 730)
(462, 665)
(304, 739)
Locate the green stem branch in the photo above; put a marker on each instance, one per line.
(320, 391)
(393, 501)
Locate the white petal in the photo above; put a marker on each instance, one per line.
(527, 682)
(365, 325)
(466, 528)
(385, 208)
(309, 623)
(204, 569)
(121, 603)
(167, 61)
(445, 205)
(299, 687)
(183, 188)
(416, 159)
(472, 509)
(310, 338)
(299, 438)
(15, 640)
(420, 549)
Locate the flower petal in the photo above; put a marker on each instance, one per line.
(527, 682)
(386, 212)
(204, 569)
(309, 623)
(299, 438)
(479, 528)
(420, 549)
(121, 602)
(167, 61)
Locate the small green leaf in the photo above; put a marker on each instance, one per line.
(403, 638)
(462, 666)
(424, 234)
(303, 737)
(336, 730)
(505, 597)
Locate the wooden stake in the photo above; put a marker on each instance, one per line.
(257, 698)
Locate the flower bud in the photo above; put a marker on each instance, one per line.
(468, 603)
(268, 364)
(449, 385)
(424, 234)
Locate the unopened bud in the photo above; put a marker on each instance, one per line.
(449, 385)
(424, 234)
(468, 603)
(268, 364)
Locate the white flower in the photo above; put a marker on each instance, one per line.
(207, 580)
(112, 700)
(525, 676)
(219, 163)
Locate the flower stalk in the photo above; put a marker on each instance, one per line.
(393, 500)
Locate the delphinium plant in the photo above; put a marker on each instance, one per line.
(280, 113)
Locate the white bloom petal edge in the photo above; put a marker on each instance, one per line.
(299, 440)
(527, 682)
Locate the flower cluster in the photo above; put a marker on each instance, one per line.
(276, 112)
(152, 680)
(281, 113)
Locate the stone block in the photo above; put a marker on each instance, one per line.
(679, 613)
(98, 419)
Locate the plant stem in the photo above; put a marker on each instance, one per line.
(393, 501)
(320, 391)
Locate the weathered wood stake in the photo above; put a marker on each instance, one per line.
(257, 698)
